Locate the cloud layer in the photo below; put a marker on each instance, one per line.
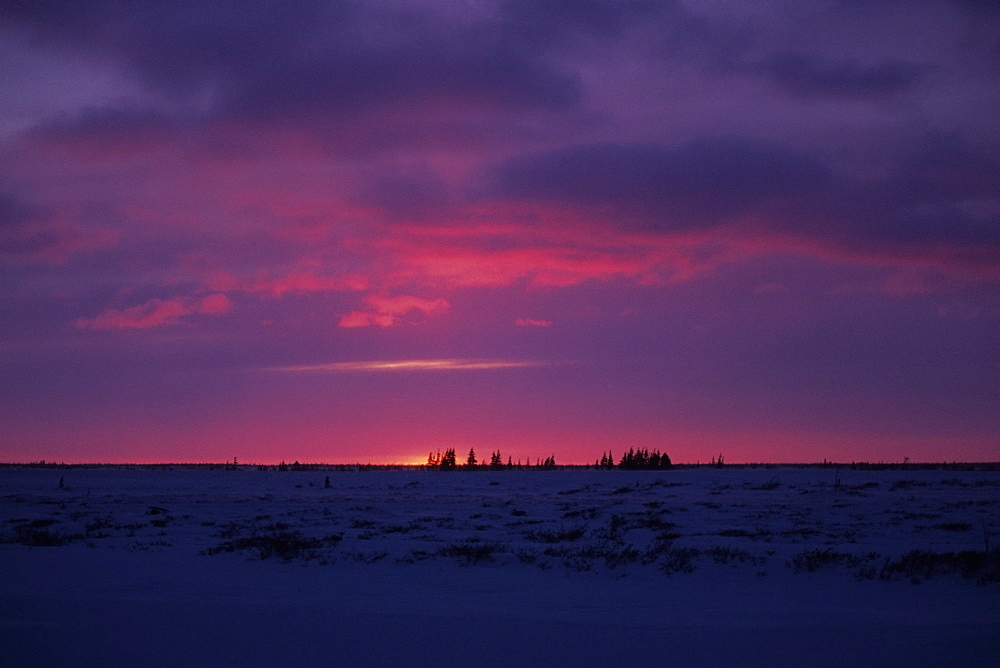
(627, 181)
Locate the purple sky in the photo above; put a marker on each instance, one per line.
(363, 231)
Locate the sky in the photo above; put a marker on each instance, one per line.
(364, 231)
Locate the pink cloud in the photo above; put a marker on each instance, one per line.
(157, 313)
(531, 322)
(387, 311)
(561, 254)
(405, 303)
(217, 304)
(221, 281)
(366, 319)
(496, 245)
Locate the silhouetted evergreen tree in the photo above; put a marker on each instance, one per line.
(609, 460)
(665, 462)
(448, 461)
(496, 461)
(627, 459)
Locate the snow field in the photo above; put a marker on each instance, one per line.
(693, 566)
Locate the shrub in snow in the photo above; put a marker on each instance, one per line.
(281, 543)
(557, 536)
(34, 535)
(471, 552)
(812, 560)
(916, 565)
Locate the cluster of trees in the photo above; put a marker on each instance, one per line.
(445, 462)
(449, 461)
(641, 459)
(635, 460)
(294, 467)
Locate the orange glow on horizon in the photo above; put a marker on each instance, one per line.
(421, 365)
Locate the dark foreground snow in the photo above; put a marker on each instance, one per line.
(687, 567)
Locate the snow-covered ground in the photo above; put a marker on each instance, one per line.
(782, 566)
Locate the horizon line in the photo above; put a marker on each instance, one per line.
(43, 463)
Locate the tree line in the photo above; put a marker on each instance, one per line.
(633, 460)
(449, 462)
(636, 460)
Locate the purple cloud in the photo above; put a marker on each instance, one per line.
(812, 76)
(691, 184)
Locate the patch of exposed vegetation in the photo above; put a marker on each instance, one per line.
(813, 560)
(278, 543)
(472, 551)
(34, 535)
(917, 565)
(557, 536)
(957, 527)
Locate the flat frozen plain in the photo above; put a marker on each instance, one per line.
(693, 566)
